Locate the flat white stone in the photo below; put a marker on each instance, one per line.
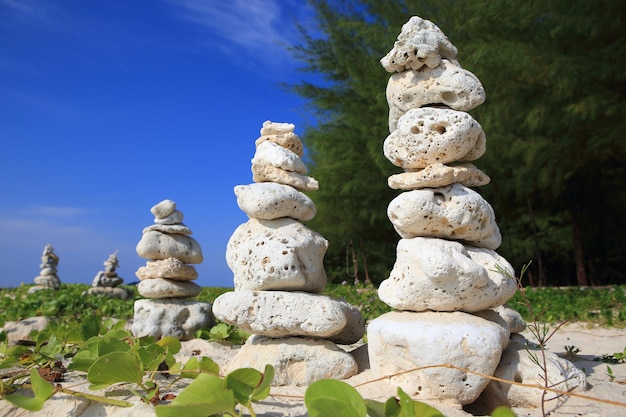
(428, 136)
(163, 209)
(276, 128)
(442, 275)
(20, 330)
(281, 314)
(176, 217)
(446, 85)
(452, 212)
(439, 175)
(270, 200)
(156, 245)
(267, 172)
(168, 228)
(167, 288)
(110, 292)
(296, 360)
(286, 139)
(402, 341)
(518, 366)
(419, 43)
(280, 254)
(171, 268)
(270, 153)
(171, 317)
(513, 319)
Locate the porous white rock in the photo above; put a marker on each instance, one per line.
(452, 212)
(428, 136)
(281, 313)
(446, 85)
(270, 153)
(402, 341)
(280, 254)
(157, 245)
(419, 43)
(296, 360)
(167, 288)
(163, 209)
(171, 268)
(175, 217)
(20, 330)
(267, 172)
(276, 128)
(270, 200)
(168, 228)
(111, 292)
(518, 365)
(281, 134)
(513, 318)
(171, 317)
(442, 275)
(439, 175)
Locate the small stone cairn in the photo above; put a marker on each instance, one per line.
(279, 273)
(105, 282)
(448, 284)
(166, 280)
(47, 278)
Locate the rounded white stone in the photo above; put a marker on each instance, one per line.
(171, 317)
(163, 209)
(439, 175)
(446, 85)
(157, 245)
(270, 153)
(281, 313)
(168, 228)
(269, 200)
(287, 140)
(174, 217)
(296, 360)
(276, 128)
(167, 288)
(442, 275)
(280, 254)
(171, 268)
(453, 212)
(428, 136)
(265, 172)
(401, 341)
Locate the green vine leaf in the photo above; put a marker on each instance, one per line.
(333, 398)
(375, 408)
(203, 364)
(503, 412)
(115, 367)
(206, 395)
(412, 408)
(42, 390)
(90, 327)
(248, 384)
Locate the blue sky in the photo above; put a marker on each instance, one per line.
(108, 107)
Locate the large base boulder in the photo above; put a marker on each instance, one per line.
(175, 317)
(399, 342)
(296, 361)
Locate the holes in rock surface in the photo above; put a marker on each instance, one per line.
(518, 377)
(415, 130)
(439, 129)
(439, 198)
(449, 97)
(406, 98)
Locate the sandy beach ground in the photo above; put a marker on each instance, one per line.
(593, 342)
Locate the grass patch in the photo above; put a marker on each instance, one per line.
(605, 306)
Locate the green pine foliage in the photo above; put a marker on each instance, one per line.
(554, 120)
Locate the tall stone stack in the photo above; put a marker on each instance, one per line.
(47, 278)
(279, 274)
(167, 279)
(448, 284)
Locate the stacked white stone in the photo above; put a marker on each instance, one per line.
(47, 278)
(447, 277)
(279, 273)
(167, 279)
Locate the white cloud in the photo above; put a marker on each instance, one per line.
(257, 28)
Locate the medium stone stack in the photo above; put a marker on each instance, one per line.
(447, 278)
(105, 282)
(279, 274)
(167, 278)
(47, 278)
